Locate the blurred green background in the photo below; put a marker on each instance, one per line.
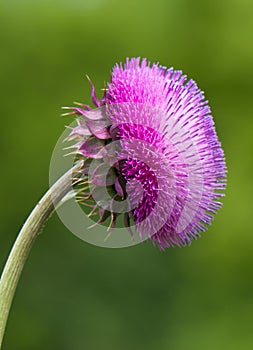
(76, 296)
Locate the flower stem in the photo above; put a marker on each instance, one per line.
(23, 244)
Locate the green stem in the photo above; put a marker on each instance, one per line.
(23, 244)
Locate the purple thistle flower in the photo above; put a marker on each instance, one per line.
(156, 150)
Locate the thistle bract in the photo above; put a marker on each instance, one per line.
(151, 154)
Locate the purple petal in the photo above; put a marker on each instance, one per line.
(92, 148)
(98, 128)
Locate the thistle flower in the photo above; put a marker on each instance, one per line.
(152, 145)
(149, 151)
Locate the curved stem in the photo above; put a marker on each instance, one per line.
(23, 244)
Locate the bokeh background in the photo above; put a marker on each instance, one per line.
(73, 295)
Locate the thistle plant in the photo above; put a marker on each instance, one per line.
(146, 156)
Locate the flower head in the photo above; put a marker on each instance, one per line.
(153, 146)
